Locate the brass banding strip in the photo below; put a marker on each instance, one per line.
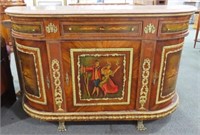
(104, 115)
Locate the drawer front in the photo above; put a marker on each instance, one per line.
(101, 30)
(172, 28)
(27, 29)
(130, 28)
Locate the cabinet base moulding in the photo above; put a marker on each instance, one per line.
(109, 115)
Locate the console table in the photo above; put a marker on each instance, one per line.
(97, 63)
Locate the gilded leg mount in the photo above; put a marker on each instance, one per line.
(61, 126)
(140, 126)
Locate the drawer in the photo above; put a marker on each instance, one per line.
(170, 28)
(134, 28)
(22, 29)
(100, 29)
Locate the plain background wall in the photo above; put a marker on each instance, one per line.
(176, 2)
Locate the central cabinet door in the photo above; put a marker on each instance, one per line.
(100, 75)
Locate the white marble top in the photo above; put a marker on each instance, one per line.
(99, 10)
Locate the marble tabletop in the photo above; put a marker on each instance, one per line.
(99, 10)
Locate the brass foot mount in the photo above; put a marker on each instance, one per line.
(140, 126)
(61, 126)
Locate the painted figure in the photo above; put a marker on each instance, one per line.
(96, 76)
(107, 85)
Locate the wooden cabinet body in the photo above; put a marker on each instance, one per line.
(113, 63)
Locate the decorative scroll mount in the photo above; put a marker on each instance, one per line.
(51, 28)
(145, 81)
(150, 28)
(57, 84)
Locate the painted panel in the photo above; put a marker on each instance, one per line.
(102, 74)
(170, 59)
(171, 73)
(29, 73)
(32, 73)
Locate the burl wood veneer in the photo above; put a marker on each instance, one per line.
(88, 63)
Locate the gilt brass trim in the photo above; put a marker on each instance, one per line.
(51, 28)
(55, 66)
(103, 115)
(39, 75)
(150, 29)
(140, 126)
(61, 126)
(145, 81)
(162, 73)
(102, 50)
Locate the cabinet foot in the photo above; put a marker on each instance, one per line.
(61, 126)
(140, 125)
